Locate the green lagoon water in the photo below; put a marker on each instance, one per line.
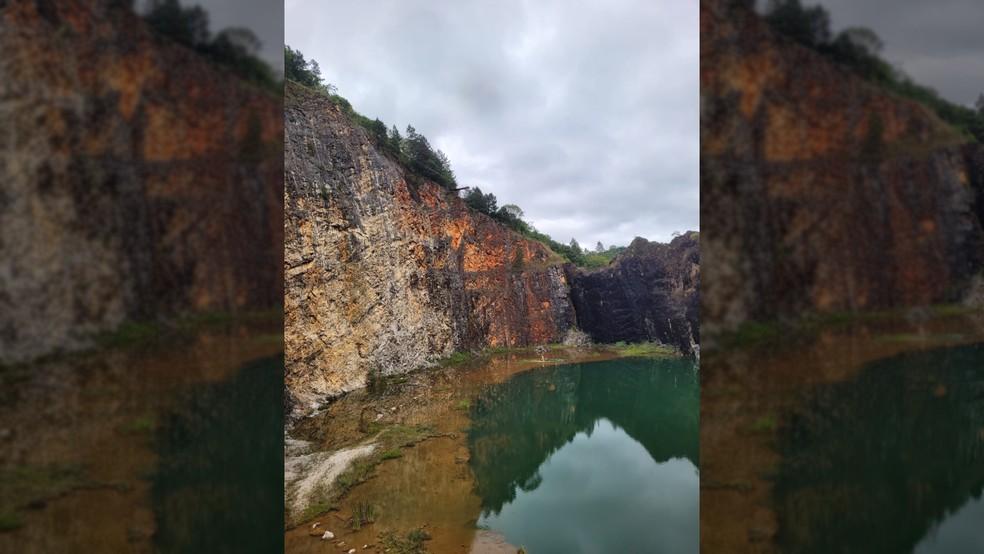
(599, 457)
(890, 462)
(218, 484)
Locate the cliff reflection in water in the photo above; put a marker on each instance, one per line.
(887, 461)
(217, 486)
(588, 456)
(167, 445)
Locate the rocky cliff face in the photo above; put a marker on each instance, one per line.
(648, 293)
(139, 181)
(386, 272)
(819, 191)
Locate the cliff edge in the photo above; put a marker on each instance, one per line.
(821, 192)
(140, 181)
(387, 272)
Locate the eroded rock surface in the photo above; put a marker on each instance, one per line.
(649, 293)
(386, 272)
(139, 180)
(821, 192)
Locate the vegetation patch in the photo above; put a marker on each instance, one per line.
(859, 50)
(136, 333)
(392, 454)
(25, 486)
(140, 425)
(235, 48)
(364, 513)
(415, 153)
(411, 542)
(758, 333)
(10, 521)
(645, 349)
(457, 358)
(764, 424)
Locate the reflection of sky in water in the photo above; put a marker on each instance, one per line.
(961, 532)
(602, 492)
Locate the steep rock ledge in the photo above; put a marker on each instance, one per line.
(648, 293)
(139, 180)
(386, 272)
(821, 192)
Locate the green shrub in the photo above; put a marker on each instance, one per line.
(391, 454)
(364, 513)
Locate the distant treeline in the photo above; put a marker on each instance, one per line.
(416, 154)
(859, 49)
(234, 48)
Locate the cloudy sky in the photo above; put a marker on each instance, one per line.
(939, 43)
(584, 113)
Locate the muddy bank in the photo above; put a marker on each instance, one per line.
(425, 482)
(102, 450)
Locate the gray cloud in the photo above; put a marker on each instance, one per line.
(583, 113)
(938, 43)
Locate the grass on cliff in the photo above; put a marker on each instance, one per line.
(235, 48)
(644, 349)
(759, 333)
(136, 333)
(414, 152)
(859, 50)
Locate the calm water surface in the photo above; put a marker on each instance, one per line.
(891, 461)
(599, 457)
(217, 483)
(171, 446)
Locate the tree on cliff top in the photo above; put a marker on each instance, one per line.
(485, 203)
(235, 48)
(809, 26)
(189, 26)
(859, 49)
(305, 72)
(427, 162)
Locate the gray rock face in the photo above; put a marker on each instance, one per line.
(386, 273)
(648, 293)
(821, 192)
(123, 196)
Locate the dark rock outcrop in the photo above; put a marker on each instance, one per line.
(821, 192)
(139, 180)
(648, 293)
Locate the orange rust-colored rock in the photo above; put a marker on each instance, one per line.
(805, 205)
(140, 181)
(387, 272)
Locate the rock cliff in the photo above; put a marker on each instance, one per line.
(821, 192)
(139, 180)
(386, 272)
(648, 293)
